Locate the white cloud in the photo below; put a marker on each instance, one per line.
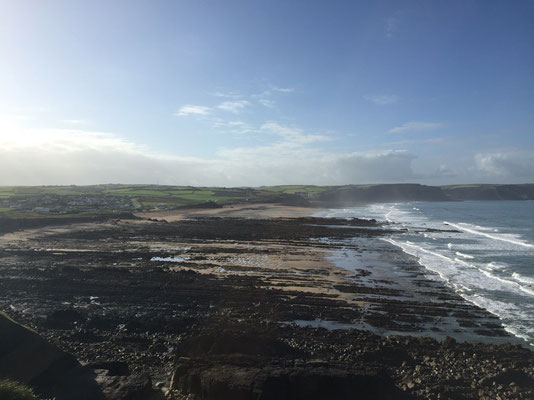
(391, 26)
(234, 106)
(236, 123)
(281, 163)
(383, 99)
(292, 134)
(271, 91)
(227, 95)
(192, 110)
(74, 121)
(428, 140)
(416, 126)
(236, 127)
(516, 165)
(288, 155)
(267, 103)
(282, 90)
(12, 120)
(375, 167)
(444, 171)
(68, 156)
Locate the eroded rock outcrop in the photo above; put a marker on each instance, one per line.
(257, 366)
(28, 358)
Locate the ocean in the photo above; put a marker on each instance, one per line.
(483, 250)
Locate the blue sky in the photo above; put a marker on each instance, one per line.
(266, 92)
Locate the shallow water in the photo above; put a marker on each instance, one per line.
(488, 258)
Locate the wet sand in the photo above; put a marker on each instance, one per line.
(257, 210)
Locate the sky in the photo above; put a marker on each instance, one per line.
(250, 93)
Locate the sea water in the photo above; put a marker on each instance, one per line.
(483, 250)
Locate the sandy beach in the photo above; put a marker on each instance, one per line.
(257, 210)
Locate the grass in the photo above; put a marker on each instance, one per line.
(147, 196)
(61, 191)
(134, 192)
(4, 315)
(6, 191)
(199, 196)
(17, 214)
(11, 390)
(292, 189)
(185, 192)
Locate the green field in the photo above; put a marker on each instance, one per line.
(292, 189)
(21, 201)
(6, 192)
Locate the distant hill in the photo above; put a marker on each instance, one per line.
(489, 192)
(416, 192)
(382, 193)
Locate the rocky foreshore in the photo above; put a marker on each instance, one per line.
(234, 308)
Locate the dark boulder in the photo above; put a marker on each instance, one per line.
(257, 365)
(228, 342)
(64, 319)
(113, 368)
(280, 381)
(28, 358)
(131, 387)
(518, 377)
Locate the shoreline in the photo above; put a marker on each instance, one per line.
(523, 340)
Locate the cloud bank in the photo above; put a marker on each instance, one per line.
(511, 165)
(70, 156)
(290, 156)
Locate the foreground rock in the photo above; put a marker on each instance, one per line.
(267, 361)
(28, 358)
(252, 365)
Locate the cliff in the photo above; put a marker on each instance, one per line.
(489, 192)
(381, 193)
(361, 194)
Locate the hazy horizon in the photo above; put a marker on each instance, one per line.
(260, 186)
(248, 93)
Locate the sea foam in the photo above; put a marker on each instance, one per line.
(504, 238)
